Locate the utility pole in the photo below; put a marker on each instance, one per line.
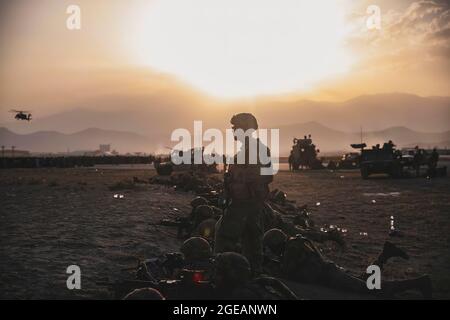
(361, 134)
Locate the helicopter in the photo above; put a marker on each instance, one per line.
(22, 115)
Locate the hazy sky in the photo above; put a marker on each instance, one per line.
(220, 49)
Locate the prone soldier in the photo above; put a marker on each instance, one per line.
(300, 260)
(232, 280)
(178, 275)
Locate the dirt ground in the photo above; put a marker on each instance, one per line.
(53, 218)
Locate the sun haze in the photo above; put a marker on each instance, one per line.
(199, 52)
(244, 48)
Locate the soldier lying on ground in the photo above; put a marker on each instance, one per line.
(162, 267)
(187, 226)
(229, 278)
(232, 280)
(301, 223)
(198, 216)
(195, 254)
(203, 221)
(275, 211)
(278, 206)
(300, 260)
(179, 275)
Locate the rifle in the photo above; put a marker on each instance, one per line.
(225, 200)
(145, 269)
(191, 284)
(213, 197)
(184, 225)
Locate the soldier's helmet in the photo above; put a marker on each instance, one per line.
(299, 246)
(198, 201)
(202, 212)
(232, 269)
(196, 248)
(244, 121)
(275, 240)
(279, 196)
(144, 294)
(207, 229)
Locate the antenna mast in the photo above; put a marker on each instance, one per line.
(360, 127)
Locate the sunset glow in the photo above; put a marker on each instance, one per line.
(244, 48)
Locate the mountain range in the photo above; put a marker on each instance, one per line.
(326, 139)
(154, 115)
(89, 139)
(145, 123)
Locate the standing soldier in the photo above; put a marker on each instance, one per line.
(417, 160)
(434, 158)
(245, 191)
(291, 160)
(432, 163)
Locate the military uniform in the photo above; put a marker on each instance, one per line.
(434, 158)
(246, 190)
(206, 229)
(233, 281)
(303, 262)
(195, 254)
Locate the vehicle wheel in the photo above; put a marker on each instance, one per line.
(364, 172)
(164, 169)
(395, 172)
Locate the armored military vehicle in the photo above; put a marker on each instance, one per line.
(167, 167)
(304, 155)
(385, 160)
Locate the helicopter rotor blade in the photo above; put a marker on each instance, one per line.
(17, 111)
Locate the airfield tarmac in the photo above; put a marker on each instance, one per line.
(53, 218)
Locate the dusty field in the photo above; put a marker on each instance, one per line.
(52, 218)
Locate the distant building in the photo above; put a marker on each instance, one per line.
(104, 148)
(14, 153)
(94, 153)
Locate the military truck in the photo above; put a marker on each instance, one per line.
(166, 168)
(304, 155)
(349, 161)
(380, 160)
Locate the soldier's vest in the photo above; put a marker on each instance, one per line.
(247, 183)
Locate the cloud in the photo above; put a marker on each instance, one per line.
(408, 54)
(424, 25)
(428, 21)
(418, 36)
